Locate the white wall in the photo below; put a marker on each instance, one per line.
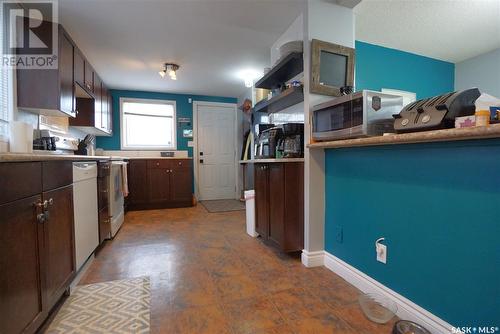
(482, 71)
(332, 23)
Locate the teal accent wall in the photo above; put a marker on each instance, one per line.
(184, 109)
(379, 67)
(437, 204)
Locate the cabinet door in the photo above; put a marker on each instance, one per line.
(97, 102)
(138, 183)
(20, 280)
(104, 224)
(159, 184)
(276, 203)
(89, 77)
(110, 113)
(181, 181)
(104, 109)
(59, 243)
(261, 200)
(294, 206)
(79, 66)
(67, 97)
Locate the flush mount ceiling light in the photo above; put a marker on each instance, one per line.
(169, 69)
(249, 76)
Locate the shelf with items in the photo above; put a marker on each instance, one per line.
(480, 132)
(287, 98)
(284, 70)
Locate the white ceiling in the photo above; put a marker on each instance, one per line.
(451, 30)
(127, 41)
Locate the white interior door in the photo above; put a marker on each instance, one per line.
(216, 152)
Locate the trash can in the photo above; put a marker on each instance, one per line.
(250, 211)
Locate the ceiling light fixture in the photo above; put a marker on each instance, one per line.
(249, 76)
(169, 69)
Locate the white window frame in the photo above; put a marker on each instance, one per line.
(150, 148)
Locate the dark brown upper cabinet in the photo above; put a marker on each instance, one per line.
(89, 77)
(49, 91)
(98, 102)
(92, 110)
(79, 67)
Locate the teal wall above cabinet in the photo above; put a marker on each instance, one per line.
(183, 109)
(379, 67)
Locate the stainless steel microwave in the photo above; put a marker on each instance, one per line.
(361, 114)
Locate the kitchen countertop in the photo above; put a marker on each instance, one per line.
(159, 158)
(19, 157)
(483, 132)
(257, 161)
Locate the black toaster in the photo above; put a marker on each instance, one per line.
(438, 112)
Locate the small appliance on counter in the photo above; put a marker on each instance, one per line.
(46, 140)
(361, 114)
(268, 142)
(292, 144)
(86, 146)
(438, 112)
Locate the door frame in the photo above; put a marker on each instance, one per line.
(234, 106)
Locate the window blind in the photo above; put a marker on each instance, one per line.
(4, 91)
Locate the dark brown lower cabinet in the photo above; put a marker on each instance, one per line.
(37, 254)
(59, 241)
(160, 183)
(21, 249)
(104, 169)
(279, 204)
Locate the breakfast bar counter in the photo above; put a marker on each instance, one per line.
(265, 161)
(483, 132)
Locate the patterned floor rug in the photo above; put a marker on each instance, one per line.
(223, 205)
(110, 307)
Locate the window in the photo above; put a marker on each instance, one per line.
(148, 124)
(6, 86)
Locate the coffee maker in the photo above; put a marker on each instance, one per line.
(268, 143)
(292, 143)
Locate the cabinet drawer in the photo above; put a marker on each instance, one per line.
(102, 191)
(154, 164)
(104, 168)
(19, 180)
(56, 174)
(181, 164)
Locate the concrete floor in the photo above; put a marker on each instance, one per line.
(208, 276)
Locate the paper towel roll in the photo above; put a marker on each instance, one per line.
(21, 137)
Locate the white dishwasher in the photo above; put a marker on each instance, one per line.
(85, 210)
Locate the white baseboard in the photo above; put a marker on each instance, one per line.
(312, 259)
(407, 310)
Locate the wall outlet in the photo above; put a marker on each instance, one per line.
(381, 253)
(339, 234)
